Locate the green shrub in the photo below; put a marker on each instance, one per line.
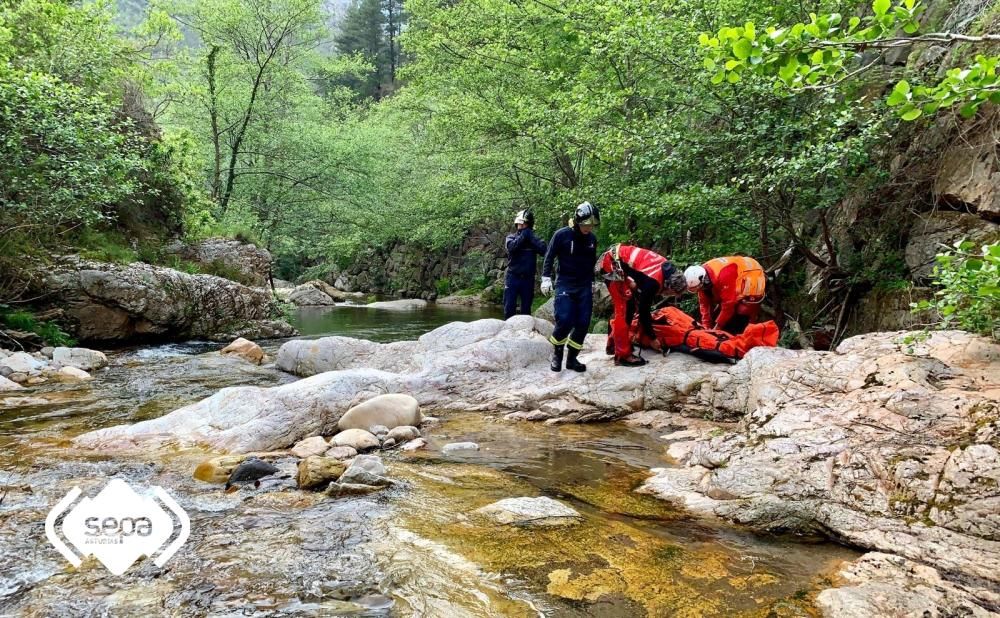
(25, 321)
(105, 246)
(443, 286)
(968, 297)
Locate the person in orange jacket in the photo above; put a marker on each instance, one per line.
(730, 290)
(635, 278)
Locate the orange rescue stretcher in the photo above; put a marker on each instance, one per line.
(678, 331)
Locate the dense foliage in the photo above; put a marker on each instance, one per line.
(968, 278)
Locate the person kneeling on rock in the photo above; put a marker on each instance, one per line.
(635, 278)
(574, 247)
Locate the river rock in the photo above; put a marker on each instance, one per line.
(22, 362)
(389, 411)
(366, 470)
(218, 469)
(115, 302)
(414, 445)
(381, 431)
(487, 364)
(245, 349)
(389, 443)
(358, 439)
(455, 447)
(72, 373)
(541, 511)
(408, 304)
(368, 463)
(316, 445)
(9, 385)
(404, 433)
(18, 377)
(47, 352)
(350, 489)
(888, 443)
(308, 295)
(880, 584)
(81, 358)
(341, 452)
(315, 471)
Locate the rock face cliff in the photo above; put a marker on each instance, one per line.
(114, 303)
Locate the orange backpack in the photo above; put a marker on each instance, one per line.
(750, 280)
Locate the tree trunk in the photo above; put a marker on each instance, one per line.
(213, 112)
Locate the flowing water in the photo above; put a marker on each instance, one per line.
(412, 550)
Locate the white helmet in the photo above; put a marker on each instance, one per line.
(695, 275)
(525, 217)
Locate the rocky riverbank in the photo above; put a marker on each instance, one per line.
(115, 303)
(888, 444)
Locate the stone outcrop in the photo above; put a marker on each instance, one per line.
(243, 262)
(969, 171)
(113, 302)
(880, 584)
(938, 232)
(887, 443)
(486, 364)
(412, 271)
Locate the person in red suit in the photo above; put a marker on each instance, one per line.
(635, 278)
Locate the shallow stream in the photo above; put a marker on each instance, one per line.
(412, 550)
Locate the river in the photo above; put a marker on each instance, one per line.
(411, 550)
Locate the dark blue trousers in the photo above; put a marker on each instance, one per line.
(573, 308)
(514, 289)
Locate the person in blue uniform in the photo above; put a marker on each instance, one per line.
(523, 249)
(574, 248)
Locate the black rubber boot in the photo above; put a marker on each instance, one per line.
(630, 361)
(557, 353)
(572, 363)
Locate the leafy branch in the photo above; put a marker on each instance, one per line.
(823, 53)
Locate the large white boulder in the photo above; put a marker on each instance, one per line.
(7, 385)
(387, 410)
(22, 362)
(81, 358)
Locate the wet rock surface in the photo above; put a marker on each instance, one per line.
(888, 444)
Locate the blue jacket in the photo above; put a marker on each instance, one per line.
(522, 247)
(577, 254)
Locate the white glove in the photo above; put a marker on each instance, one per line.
(546, 285)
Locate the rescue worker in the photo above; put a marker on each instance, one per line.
(522, 247)
(730, 290)
(574, 247)
(635, 278)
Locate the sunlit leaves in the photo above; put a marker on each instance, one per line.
(821, 53)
